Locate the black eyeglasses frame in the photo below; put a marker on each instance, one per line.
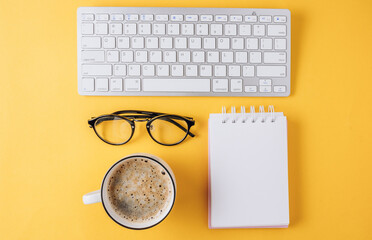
(144, 116)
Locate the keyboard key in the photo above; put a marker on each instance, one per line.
(216, 29)
(234, 71)
(102, 17)
(221, 18)
(147, 17)
(116, 28)
(266, 43)
(255, 57)
(236, 85)
(248, 71)
(132, 85)
(241, 57)
(93, 56)
(206, 18)
(166, 42)
(259, 30)
(206, 70)
(127, 56)
(91, 42)
(213, 57)
(265, 82)
(271, 71)
(163, 70)
(97, 70)
(250, 88)
(277, 30)
(176, 85)
(88, 84)
(141, 56)
(138, 42)
(177, 70)
(116, 84)
(112, 56)
(101, 28)
(120, 70)
(102, 84)
(87, 28)
(227, 57)
(130, 28)
(161, 18)
(195, 43)
(170, 56)
(191, 70)
(144, 28)
(152, 42)
(275, 57)
(280, 43)
(176, 18)
(173, 29)
(159, 29)
(131, 17)
(187, 29)
(156, 56)
(202, 29)
(265, 19)
(191, 18)
(148, 70)
(134, 70)
(265, 89)
(123, 42)
(279, 89)
(87, 17)
(209, 43)
(198, 57)
(280, 19)
(223, 43)
(180, 43)
(220, 85)
(237, 43)
(236, 18)
(109, 42)
(245, 30)
(250, 18)
(220, 70)
(230, 29)
(252, 43)
(117, 17)
(184, 56)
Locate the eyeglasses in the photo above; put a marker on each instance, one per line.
(118, 128)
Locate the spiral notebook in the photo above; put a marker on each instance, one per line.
(248, 173)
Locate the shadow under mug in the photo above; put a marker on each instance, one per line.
(101, 195)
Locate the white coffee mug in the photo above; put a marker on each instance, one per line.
(101, 195)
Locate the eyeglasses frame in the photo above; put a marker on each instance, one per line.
(147, 116)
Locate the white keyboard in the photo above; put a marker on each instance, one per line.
(126, 51)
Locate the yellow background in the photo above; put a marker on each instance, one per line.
(49, 157)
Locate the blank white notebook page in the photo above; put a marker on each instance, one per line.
(248, 171)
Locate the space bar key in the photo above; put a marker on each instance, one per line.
(176, 85)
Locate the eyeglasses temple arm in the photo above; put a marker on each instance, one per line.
(179, 126)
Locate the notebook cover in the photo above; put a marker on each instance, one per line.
(248, 174)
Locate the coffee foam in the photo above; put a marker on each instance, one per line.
(139, 190)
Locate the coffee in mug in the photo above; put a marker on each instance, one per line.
(137, 192)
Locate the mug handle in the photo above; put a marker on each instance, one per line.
(92, 197)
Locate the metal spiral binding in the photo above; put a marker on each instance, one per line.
(233, 113)
(271, 111)
(262, 111)
(253, 113)
(223, 115)
(262, 116)
(242, 110)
